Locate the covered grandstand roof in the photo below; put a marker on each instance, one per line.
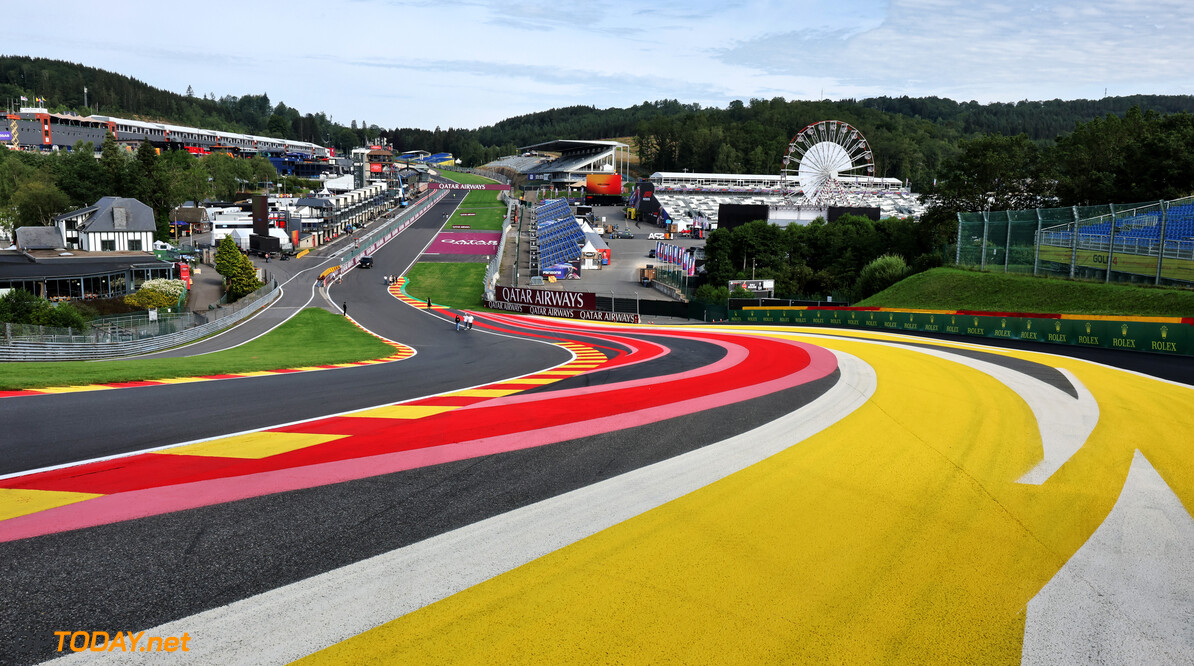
(567, 145)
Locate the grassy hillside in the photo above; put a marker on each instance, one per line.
(954, 289)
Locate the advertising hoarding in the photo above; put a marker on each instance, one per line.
(609, 183)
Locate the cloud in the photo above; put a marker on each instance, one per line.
(466, 63)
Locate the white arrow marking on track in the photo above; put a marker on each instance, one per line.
(1065, 427)
(1127, 595)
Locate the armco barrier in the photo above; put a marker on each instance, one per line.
(21, 350)
(1166, 335)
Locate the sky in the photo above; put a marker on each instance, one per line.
(469, 63)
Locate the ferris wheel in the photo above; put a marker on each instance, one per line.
(823, 160)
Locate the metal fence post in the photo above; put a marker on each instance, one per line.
(1161, 247)
(1036, 255)
(1110, 249)
(986, 224)
(1007, 243)
(1074, 244)
(958, 247)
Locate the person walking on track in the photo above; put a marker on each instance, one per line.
(457, 323)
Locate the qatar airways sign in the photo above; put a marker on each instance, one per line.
(576, 300)
(477, 242)
(468, 186)
(569, 313)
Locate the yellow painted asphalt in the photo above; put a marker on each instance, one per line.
(896, 535)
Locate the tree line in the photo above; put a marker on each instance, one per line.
(62, 83)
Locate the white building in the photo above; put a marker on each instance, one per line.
(113, 224)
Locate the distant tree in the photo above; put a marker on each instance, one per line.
(715, 295)
(21, 307)
(37, 202)
(243, 280)
(147, 299)
(114, 161)
(190, 91)
(879, 275)
(227, 257)
(80, 176)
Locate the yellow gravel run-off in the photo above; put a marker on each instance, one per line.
(896, 535)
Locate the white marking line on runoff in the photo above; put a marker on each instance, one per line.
(301, 618)
(1064, 423)
(1065, 435)
(1127, 595)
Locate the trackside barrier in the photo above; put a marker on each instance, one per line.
(1165, 335)
(495, 264)
(373, 241)
(14, 348)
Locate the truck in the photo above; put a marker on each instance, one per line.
(263, 245)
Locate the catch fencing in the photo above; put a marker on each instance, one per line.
(1150, 243)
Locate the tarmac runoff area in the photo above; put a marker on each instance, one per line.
(938, 501)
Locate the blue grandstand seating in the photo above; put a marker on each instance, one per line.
(559, 237)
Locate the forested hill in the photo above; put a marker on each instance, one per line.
(1041, 120)
(61, 84)
(911, 137)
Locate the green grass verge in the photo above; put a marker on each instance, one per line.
(312, 337)
(463, 177)
(483, 198)
(453, 285)
(956, 289)
(482, 219)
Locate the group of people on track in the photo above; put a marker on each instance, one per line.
(464, 323)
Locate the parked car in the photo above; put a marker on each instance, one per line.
(621, 234)
(366, 262)
(651, 254)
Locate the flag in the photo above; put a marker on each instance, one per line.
(24, 99)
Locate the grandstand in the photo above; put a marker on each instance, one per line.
(577, 159)
(518, 163)
(692, 196)
(559, 237)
